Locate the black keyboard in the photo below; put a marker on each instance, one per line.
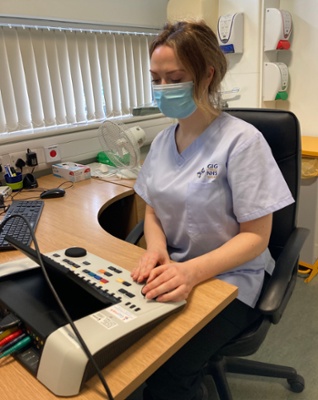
(16, 227)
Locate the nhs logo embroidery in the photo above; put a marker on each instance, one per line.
(211, 171)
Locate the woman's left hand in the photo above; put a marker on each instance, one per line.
(169, 282)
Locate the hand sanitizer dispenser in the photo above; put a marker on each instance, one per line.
(278, 27)
(275, 81)
(230, 33)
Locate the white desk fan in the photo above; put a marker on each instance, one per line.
(122, 147)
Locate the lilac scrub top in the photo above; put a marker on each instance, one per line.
(226, 176)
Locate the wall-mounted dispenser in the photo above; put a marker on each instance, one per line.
(230, 31)
(275, 81)
(278, 27)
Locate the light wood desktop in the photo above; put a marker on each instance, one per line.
(309, 146)
(73, 221)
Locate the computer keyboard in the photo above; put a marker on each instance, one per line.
(16, 227)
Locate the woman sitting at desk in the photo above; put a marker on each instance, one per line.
(211, 185)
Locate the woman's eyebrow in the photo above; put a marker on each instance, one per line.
(168, 72)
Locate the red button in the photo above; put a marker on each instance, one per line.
(283, 45)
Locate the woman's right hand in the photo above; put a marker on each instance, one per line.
(150, 260)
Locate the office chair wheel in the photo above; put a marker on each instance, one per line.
(297, 384)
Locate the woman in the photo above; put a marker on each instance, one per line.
(210, 185)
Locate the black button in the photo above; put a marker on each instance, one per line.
(75, 252)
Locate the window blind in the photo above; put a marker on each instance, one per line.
(53, 77)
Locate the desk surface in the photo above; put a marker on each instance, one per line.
(73, 221)
(309, 146)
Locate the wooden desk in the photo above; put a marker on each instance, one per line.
(309, 146)
(72, 221)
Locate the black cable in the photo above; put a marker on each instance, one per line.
(69, 183)
(59, 302)
(8, 321)
(37, 197)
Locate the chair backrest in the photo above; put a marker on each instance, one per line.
(282, 132)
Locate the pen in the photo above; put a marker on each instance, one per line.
(8, 170)
(22, 343)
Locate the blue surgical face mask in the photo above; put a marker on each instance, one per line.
(175, 100)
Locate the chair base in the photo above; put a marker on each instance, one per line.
(218, 367)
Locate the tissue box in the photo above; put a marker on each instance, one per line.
(71, 171)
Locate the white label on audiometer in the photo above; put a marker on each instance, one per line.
(105, 320)
(121, 313)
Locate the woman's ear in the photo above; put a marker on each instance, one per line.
(210, 75)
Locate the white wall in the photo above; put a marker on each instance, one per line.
(187, 9)
(148, 13)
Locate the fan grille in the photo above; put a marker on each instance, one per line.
(117, 145)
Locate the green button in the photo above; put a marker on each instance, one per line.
(281, 96)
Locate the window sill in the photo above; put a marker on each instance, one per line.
(18, 136)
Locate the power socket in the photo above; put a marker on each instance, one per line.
(15, 156)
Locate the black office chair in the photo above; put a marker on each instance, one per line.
(282, 132)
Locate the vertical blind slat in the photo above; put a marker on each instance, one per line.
(96, 83)
(113, 71)
(122, 72)
(77, 81)
(31, 76)
(66, 77)
(18, 79)
(86, 75)
(136, 44)
(6, 88)
(105, 75)
(131, 72)
(55, 77)
(147, 91)
(44, 78)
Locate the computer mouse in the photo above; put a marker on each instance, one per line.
(52, 193)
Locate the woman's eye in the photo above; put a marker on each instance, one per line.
(159, 81)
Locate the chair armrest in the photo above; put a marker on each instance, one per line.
(274, 296)
(136, 233)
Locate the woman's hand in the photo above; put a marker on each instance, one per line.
(150, 260)
(169, 282)
(156, 253)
